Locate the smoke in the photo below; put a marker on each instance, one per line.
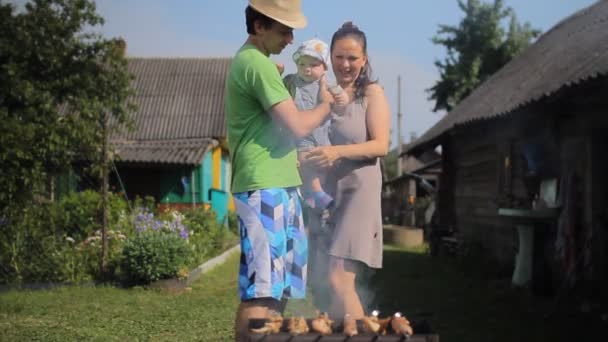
(367, 295)
(318, 266)
(320, 239)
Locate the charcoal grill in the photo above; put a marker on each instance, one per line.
(422, 333)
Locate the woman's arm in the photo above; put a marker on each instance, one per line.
(377, 118)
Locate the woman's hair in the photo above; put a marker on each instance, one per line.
(349, 29)
(251, 16)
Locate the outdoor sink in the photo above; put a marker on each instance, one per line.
(531, 214)
(526, 220)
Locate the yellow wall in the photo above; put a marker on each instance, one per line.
(217, 167)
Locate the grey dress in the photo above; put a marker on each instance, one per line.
(356, 187)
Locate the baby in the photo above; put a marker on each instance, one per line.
(312, 61)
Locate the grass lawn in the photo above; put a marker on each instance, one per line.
(111, 314)
(460, 306)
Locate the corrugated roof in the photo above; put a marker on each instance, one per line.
(180, 104)
(574, 50)
(189, 152)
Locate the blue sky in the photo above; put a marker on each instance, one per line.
(399, 36)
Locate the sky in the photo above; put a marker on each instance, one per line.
(399, 36)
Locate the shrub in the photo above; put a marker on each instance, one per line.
(78, 214)
(233, 223)
(34, 249)
(90, 252)
(153, 255)
(207, 237)
(57, 241)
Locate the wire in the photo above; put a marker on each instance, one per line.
(122, 186)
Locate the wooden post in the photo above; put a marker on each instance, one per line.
(104, 196)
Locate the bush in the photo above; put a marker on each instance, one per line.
(153, 255)
(61, 241)
(207, 237)
(34, 249)
(90, 252)
(58, 241)
(78, 214)
(233, 223)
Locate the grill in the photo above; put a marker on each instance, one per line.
(422, 333)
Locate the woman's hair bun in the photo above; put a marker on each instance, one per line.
(349, 25)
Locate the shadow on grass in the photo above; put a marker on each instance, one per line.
(467, 300)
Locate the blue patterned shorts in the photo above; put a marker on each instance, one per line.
(274, 245)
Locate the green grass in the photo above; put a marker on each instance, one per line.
(463, 302)
(111, 314)
(460, 305)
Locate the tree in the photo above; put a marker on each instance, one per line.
(59, 81)
(390, 164)
(476, 49)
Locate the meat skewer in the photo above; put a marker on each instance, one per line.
(273, 326)
(322, 324)
(370, 323)
(401, 325)
(297, 326)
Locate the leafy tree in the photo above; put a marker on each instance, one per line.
(59, 83)
(476, 48)
(389, 163)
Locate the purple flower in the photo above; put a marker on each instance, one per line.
(157, 225)
(184, 234)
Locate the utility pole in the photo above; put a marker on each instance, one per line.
(399, 139)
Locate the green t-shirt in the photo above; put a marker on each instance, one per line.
(263, 153)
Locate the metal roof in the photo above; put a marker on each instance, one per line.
(180, 108)
(574, 50)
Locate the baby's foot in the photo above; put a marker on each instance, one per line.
(322, 200)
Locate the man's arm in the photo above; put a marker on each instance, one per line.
(301, 123)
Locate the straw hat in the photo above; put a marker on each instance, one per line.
(286, 12)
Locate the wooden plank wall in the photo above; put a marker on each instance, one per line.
(475, 179)
(475, 189)
(475, 184)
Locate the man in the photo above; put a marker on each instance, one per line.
(263, 123)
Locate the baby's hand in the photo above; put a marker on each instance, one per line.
(341, 99)
(280, 67)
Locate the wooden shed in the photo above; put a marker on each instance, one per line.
(404, 197)
(542, 117)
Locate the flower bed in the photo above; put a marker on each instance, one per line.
(61, 241)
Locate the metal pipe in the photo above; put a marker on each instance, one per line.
(192, 192)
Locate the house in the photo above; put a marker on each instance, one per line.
(401, 193)
(177, 151)
(541, 119)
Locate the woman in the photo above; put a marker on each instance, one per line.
(359, 135)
